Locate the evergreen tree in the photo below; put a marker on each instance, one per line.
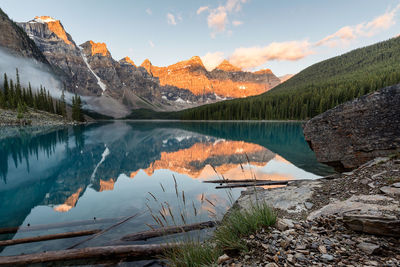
(6, 89)
(18, 90)
(2, 99)
(77, 113)
(11, 96)
(20, 111)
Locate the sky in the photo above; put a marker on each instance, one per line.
(285, 36)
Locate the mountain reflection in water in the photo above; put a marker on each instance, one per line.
(105, 170)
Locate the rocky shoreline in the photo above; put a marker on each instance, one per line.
(32, 118)
(348, 219)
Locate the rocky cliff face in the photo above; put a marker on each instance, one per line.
(225, 81)
(90, 70)
(61, 51)
(15, 40)
(357, 131)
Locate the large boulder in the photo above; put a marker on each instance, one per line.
(357, 131)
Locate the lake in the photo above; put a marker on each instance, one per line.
(111, 170)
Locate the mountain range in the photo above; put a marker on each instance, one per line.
(315, 89)
(116, 88)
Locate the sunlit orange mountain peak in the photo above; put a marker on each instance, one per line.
(227, 66)
(98, 48)
(226, 81)
(147, 65)
(128, 60)
(55, 26)
(263, 71)
(69, 203)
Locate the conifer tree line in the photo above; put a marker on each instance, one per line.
(315, 89)
(16, 97)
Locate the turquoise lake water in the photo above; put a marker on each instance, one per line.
(106, 171)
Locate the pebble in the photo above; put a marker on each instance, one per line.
(308, 205)
(284, 224)
(223, 258)
(299, 256)
(368, 248)
(327, 257)
(322, 249)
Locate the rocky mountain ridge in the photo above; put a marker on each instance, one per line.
(225, 81)
(16, 42)
(116, 87)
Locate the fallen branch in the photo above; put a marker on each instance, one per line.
(252, 184)
(11, 230)
(168, 231)
(226, 181)
(76, 256)
(104, 231)
(47, 237)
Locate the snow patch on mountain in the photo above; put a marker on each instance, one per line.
(99, 82)
(44, 19)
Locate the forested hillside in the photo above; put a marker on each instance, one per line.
(315, 89)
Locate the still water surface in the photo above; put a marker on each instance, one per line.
(106, 170)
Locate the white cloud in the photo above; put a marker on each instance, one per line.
(151, 43)
(171, 19)
(365, 29)
(234, 5)
(251, 57)
(217, 19)
(211, 60)
(201, 9)
(237, 23)
(148, 11)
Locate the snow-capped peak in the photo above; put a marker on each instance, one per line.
(44, 19)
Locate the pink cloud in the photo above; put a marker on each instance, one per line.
(201, 9)
(251, 57)
(237, 23)
(365, 29)
(171, 19)
(217, 19)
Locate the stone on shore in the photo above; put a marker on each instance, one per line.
(357, 131)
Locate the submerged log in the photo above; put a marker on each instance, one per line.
(168, 231)
(12, 230)
(253, 184)
(85, 255)
(47, 237)
(105, 230)
(377, 225)
(234, 181)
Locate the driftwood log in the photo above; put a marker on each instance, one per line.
(168, 231)
(105, 230)
(11, 230)
(47, 237)
(252, 184)
(85, 255)
(377, 225)
(226, 181)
